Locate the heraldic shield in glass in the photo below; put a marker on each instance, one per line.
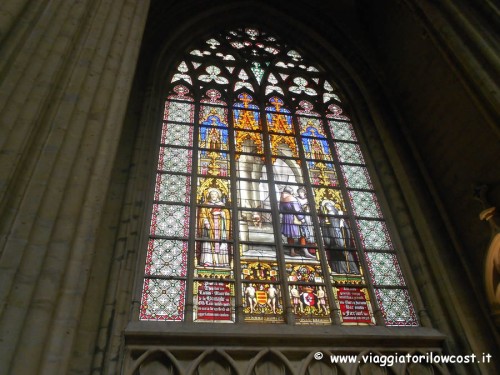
(263, 208)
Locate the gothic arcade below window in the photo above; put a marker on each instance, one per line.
(263, 200)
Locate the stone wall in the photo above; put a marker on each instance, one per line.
(66, 69)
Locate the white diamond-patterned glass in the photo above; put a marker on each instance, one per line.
(349, 153)
(342, 131)
(177, 134)
(364, 203)
(384, 269)
(180, 112)
(374, 234)
(170, 220)
(166, 258)
(356, 177)
(173, 188)
(163, 300)
(175, 160)
(396, 307)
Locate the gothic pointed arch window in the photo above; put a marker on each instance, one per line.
(264, 210)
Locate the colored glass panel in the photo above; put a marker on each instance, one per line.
(336, 113)
(247, 120)
(170, 220)
(279, 119)
(302, 86)
(166, 258)
(214, 225)
(287, 171)
(396, 307)
(365, 204)
(271, 88)
(349, 153)
(329, 201)
(172, 188)
(182, 77)
(354, 305)
(240, 85)
(262, 302)
(178, 111)
(213, 301)
(213, 75)
(213, 252)
(356, 177)
(260, 271)
(213, 192)
(211, 99)
(384, 269)
(343, 261)
(298, 233)
(342, 131)
(255, 251)
(212, 115)
(257, 71)
(253, 194)
(249, 142)
(283, 146)
(311, 126)
(374, 234)
(305, 273)
(213, 134)
(262, 298)
(213, 163)
(280, 122)
(163, 300)
(322, 173)
(296, 222)
(316, 148)
(248, 166)
(175, 160)
(310, 304)
(246, 114)
(177, 134)
(301, 253)
(256, 226)
(307, 111)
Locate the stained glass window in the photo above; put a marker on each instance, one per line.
(264, 210)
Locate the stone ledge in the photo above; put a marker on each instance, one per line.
(227, 335)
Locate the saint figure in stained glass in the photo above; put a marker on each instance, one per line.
(337, 239)
(215, 224)
(306, 228)
(293, 220)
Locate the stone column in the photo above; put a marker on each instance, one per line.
(465, 35)
(66, 69)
